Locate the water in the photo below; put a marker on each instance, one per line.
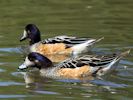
(84, 18)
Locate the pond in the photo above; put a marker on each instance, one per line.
(111, 19)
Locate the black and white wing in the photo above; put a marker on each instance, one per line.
(66, 39)
(91, 60)
(99, 64)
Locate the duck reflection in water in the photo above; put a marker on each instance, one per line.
(34, 81)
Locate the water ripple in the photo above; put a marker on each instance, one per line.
(10, 50)
(2, 70)
(126, 62)
(12, 96)
(107, 83)
(10, 83)
(18, 74)
(45, 92)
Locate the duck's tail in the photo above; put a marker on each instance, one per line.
(84, 47)
(93, 41)
(112, 66)
(98, 40)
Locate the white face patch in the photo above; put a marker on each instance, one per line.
(26, 64)
(24, 34)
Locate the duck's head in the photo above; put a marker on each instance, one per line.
(32, 33)
(35, 60)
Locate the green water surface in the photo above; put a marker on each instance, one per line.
(112, 19)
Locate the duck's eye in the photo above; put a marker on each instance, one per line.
(28, 32)
(31, 59)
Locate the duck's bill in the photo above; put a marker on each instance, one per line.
(24, 37)
(22, 67)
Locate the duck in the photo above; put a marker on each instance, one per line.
(56, 45)
(73, 68)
